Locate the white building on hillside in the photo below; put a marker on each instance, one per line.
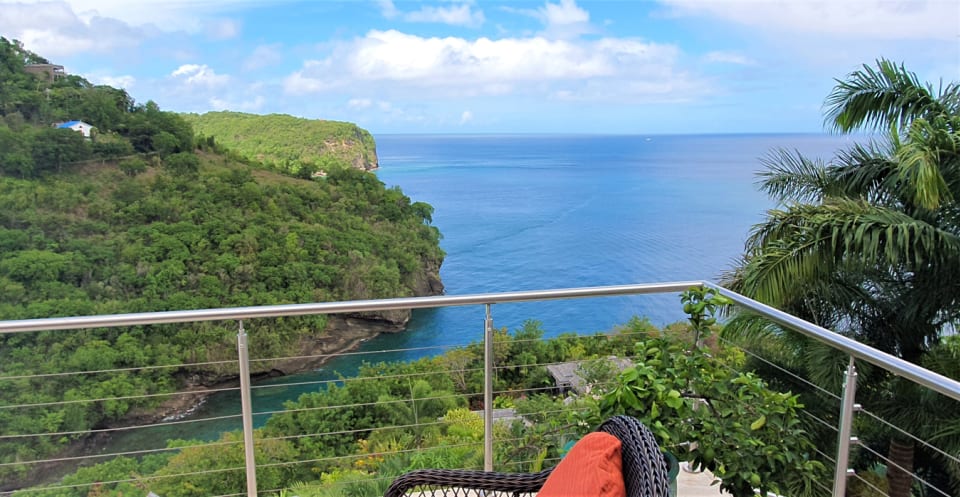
(84, 128)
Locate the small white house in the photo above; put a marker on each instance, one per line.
(82, 127)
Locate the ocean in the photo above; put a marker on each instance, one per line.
(540, 212)
(525, 212)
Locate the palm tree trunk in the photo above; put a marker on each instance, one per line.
(899, 472)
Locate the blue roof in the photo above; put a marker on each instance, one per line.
(69, 124)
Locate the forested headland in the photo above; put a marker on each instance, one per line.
(143, 216)
(290, 144)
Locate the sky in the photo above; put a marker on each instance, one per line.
(473, 66)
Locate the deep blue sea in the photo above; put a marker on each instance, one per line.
(521, 212)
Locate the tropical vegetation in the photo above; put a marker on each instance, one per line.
(869, 244)
(289, 144)
(138, 219)
(353, 436)
(146, 216)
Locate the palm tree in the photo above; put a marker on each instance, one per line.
(868, 244)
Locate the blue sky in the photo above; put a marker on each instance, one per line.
(461, 66)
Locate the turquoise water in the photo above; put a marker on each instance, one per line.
(540, 212)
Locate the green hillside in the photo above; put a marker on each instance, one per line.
(288, 143)
(136, 218)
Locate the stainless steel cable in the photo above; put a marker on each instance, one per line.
(890, 463)
(781, 369)
(124, 397)
(913, 437)
(117, 454)
(359, 353)
(117, 370)
(122, 428)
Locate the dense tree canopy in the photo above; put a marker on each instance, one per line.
(102, 241)
(134, 219)
(29, 106)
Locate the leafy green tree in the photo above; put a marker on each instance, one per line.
(54, 148)
(111, 147)
(182, 164)
(16, 158)
(219, 469)
(869, 244)
(132, 166)
(164, 142)
(696, 402)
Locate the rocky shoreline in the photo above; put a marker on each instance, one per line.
(343, 334)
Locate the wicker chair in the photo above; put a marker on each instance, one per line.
(644, 471)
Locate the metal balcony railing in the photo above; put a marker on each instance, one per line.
(846, 413)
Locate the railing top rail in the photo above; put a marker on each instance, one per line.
(895, 365)
(352, 306)
(929, 379)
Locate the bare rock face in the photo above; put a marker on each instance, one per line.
(426, 283)
(368, 324)
(355, 151)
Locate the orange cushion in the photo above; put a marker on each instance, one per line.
(591, 468)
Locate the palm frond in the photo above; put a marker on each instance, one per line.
(875, 98)
(783, 261)
(865, 172)
(789, 176)
(748, 328)
(803, 243)
(949, 97)
(929, 144)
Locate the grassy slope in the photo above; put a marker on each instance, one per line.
(286, 141)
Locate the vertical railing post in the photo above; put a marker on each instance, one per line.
(847, 403)
(247, 411)
(488, 391)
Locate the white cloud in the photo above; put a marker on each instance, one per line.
(466, 117)
(150, 15)
(846, 19)
(222, 29)
(125, 81)
(263, 56)
(391, 62)
(251, 105)
(564, 19)
(563, 13)
(388, 9)
(728, 58)
(483, 66)
(359, 103)
(312, 78)
(53, 30)
(199, 75)
(455, 15)
(461, 13)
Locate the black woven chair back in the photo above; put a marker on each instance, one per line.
(644, 471)
(644, 466)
